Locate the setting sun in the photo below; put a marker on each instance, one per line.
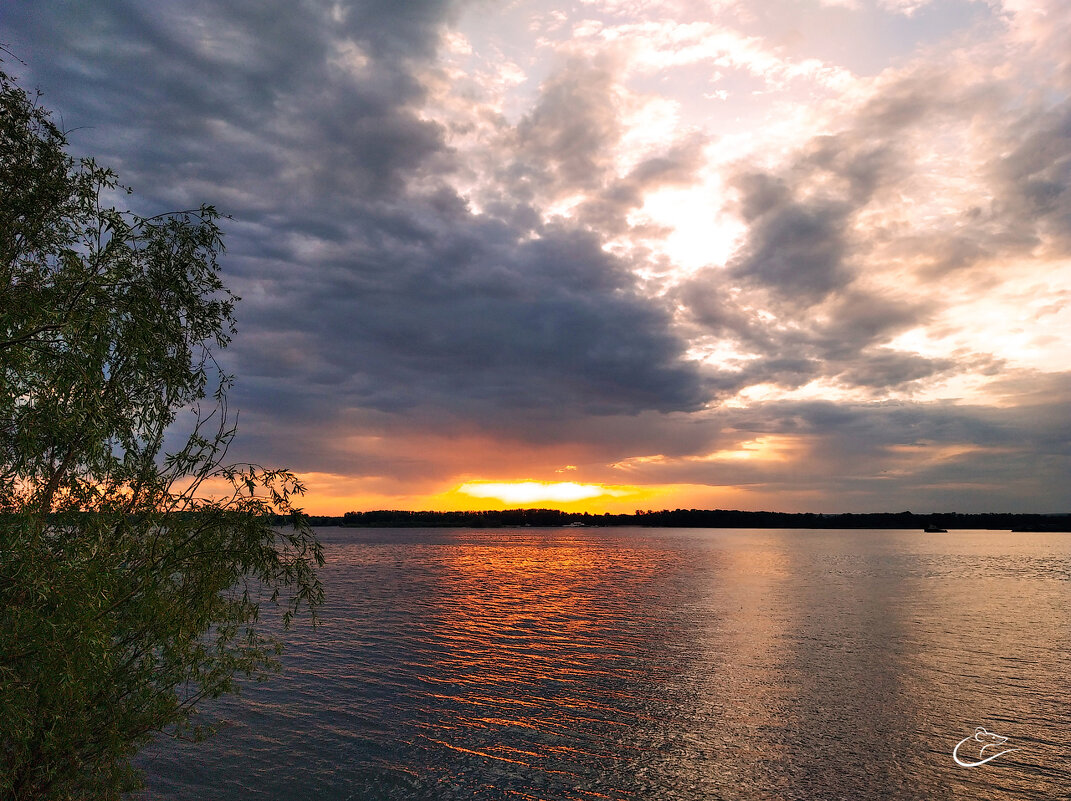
(539, 491)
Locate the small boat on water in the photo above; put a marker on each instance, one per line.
(932, 529)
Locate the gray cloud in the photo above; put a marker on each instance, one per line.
(564, 148)
(386, 296)
(1036, 178)
(471, 319)
(799, 246)
(252, 102)
(797, 249)
(843, 456)
(564, 141)
(843, 340)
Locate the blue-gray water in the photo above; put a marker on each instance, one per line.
(658, 664)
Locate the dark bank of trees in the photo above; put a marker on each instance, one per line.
(484, 519)
(891, 520)
(703, 518)
(128, 591)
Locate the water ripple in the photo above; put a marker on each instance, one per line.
(634, 664)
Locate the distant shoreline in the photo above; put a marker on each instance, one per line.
(699, 518)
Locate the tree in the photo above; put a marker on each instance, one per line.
(132, 573)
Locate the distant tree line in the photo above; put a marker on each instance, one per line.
(481, 519)
(700, 518)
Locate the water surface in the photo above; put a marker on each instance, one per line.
(635, 663)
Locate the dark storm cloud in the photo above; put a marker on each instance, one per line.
(367, 283)
(183, 98)
(797, 249)
(473, 319)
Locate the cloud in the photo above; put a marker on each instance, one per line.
(665, 42)
(454, 267)
(183, 99)
(800, 223)
(1035, 178)
(796, 249)
(567, 138)
(472, 320)
(366, 279)
(927, 189)
(909, 455)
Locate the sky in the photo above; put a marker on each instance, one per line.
(606, 255)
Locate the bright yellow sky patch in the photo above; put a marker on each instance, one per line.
(524, 492)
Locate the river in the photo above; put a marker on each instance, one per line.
(641, 663)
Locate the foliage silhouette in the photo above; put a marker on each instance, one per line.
(133, 565)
